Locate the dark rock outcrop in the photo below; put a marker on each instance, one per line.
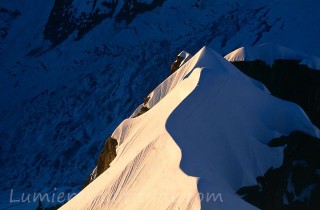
(65, 19)
(176, 64)
(132, 8)
(106, 156)
(7, 16)
(288, 80)
(142, 111)
(295, 184)
(144, 107)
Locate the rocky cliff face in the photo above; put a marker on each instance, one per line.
(296, 183)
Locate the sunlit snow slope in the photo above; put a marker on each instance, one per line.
(72, 70)
(202, 136)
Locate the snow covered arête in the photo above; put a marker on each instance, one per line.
(72, 70)
(205, 135)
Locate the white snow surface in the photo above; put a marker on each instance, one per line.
(201, 59)
(202, 136)
(186, 57)
(271, 52)
(59, 105)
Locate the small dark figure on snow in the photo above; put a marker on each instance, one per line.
(175, 65)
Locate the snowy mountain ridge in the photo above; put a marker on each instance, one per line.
(61, 100)
(197, 61)
(194, 140)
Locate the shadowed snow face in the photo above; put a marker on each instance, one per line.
(223, 128)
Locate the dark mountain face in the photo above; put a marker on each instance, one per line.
(288, 80)
(65, 18)
(6, 18)
(296, 183)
